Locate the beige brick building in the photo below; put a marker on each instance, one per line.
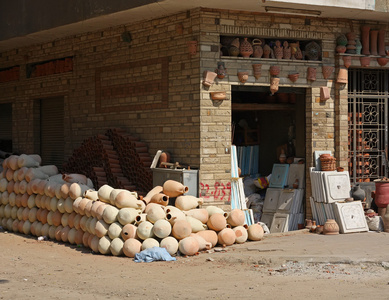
(140, 76)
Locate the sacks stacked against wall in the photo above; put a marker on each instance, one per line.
(36, 200)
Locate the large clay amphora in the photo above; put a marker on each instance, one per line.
(236, 217)
(188, 246)
(188, 202)
(174, 188)
(226, 237)
(170, 244)
(217, 222)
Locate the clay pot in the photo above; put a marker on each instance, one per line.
(188, 202)
(128, 231)
(257, 70)
(330, 227)
(218, 95)
(181, 229)
(243, 76)
(365, 39)
(155, 213)
(221, 71)
(208, 78)
(241, 234)
(324, 93)
(382, 61)
(278, 50)
(257, 48)
(174, 188)
(274, 70)
(104, 193)
(287, 51)
(245, 48)
(347, 61)
(209, 235)
(131, 247)
(341, 40)
(198, 213)
(145, 230)
(170, 244)
(274, 82)
(358, 194)
(157, 189)
(196, 225)
(255, 232)
(188, 246)
(211, 209)
(160, 198)
(226, 237)
(192, 47)
(217, 222)
(365, 61)
(342, 76)
(162, 228)
(266, 51)
(340, 49)
(293, 77)
(233, 51)
(381, 198)
(311, 73)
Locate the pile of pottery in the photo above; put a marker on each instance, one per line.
(37, 200)
(115, 158)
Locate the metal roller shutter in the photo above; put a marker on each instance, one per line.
(6, 127)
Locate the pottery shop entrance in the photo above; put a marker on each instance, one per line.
(368, 126)
(265, 127)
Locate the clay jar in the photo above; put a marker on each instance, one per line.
(188, 246)
(293, 77)
(365, 61)
(327, 71)
(174, 188)
(245, 48)
(342, 76)
(236, 218)
(188, 202)
(311, 73)
(217, 222)
(278, 50)
(381, 198)
(347, 61)
(226, 237)
(257, 48)
(330, 227)
(257, 70)
(382, 61)
(208, 78)
(243, 76)
(274, 70)
(255, 232)
(181, 229)
(274, 83)
(287, 51)
(209, 235)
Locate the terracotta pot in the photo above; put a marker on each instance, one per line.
(241, 234)
(365, 61)
(221, 71)
(181, 229)
(274, 82)
(196, 225)
(209, 235)
(131, 247)
(266, 51)
(157, 189)
(200, 214)
(245, 48)
(188, 202)
(340, 49)
(155, 213)
(257, 70)
(365, 39)
(255, 232)
(342, 76)
(243, 76)
(382, 61)
(274, 70)
(192, 47)
(128, 232)
(293, 77)
(373, 42)
(311, 73)
(347, 61)
(170, 244)
(160, 198)
(162, 228)
(324, 93)
(208, 78)
(330, 227)
(218, 95)
(226, 237)
(287, 51)
(381, 198)
(257, 48)
(217, 222)
(188, 246)
(233, 51)
(174, 188)
(278, 50)
(236, 217)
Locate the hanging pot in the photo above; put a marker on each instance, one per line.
(274, 82)
(382, 61)
(257, 70)
(243, 76)
(293, 77)
(347, 61)
(365, 61)
(327, 71)
(208, 78)
(311, 73)
(274, 70)
(342, 76)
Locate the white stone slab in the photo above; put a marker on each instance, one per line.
(267, 218)
(280, 223)
(271, 200)
(337, 186)
(350, 217)
(296, 171)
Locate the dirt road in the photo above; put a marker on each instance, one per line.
(32, 269)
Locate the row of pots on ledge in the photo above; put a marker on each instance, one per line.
(209, 76)
(365, 61)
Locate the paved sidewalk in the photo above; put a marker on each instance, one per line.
(303, 246)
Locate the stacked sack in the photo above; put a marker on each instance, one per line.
(37, 200)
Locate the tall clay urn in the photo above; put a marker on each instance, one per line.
(381, 198)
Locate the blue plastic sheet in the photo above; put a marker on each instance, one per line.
(153, 254)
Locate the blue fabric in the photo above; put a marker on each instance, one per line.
(153, 254)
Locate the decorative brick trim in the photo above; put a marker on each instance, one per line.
(109, 93)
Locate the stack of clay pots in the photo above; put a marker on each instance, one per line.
(36, 200)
